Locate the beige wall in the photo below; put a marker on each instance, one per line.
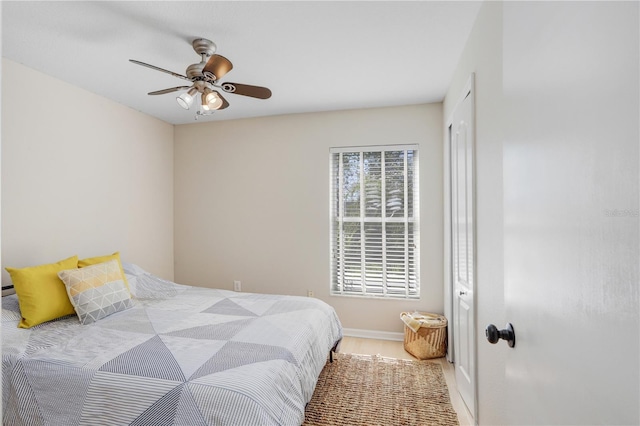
(483, 56)
(82, 175)
(251, 204)
(251, 196)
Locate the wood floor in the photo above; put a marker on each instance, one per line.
(393, 349)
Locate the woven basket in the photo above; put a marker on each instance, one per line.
(430, 341)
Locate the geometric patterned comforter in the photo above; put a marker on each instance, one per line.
(181, 356)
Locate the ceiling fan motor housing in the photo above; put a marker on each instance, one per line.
(195, 70)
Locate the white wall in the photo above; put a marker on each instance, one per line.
(252, 204)
(483, 56)
(82, 175)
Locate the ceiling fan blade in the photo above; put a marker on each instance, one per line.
(217, 66)
(173, 89)
(153, 67)
(247, 90)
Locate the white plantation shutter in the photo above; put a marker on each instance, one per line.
(374, 221)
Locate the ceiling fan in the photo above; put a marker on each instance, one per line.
(205, 79)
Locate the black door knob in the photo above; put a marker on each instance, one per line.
(494, 335)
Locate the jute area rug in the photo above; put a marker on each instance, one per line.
(374, 390)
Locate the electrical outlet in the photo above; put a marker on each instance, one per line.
(309, 293)
(237, 286)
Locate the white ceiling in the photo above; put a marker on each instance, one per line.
(313, 55)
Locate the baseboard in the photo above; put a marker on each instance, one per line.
(373, 334)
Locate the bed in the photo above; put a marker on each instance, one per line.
(180, 355)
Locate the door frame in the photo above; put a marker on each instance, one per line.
(469, 89)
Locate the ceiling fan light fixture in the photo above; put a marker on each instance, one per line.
(211, 100)
(186, 99)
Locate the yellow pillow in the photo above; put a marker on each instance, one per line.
(42, 296)
(101, 259)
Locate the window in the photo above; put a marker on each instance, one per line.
(374, 222)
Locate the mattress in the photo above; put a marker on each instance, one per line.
(182, 355)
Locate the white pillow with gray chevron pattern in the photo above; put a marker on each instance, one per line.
(96, 291)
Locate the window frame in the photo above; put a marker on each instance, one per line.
(337, 217)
